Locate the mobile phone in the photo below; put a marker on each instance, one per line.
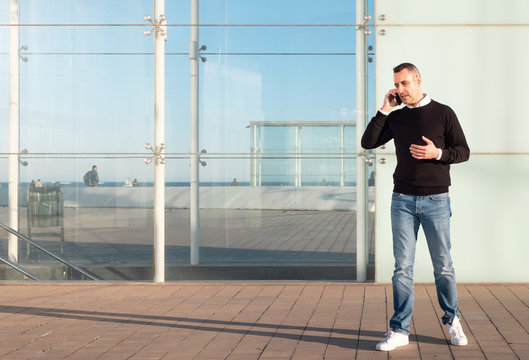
(396, 97)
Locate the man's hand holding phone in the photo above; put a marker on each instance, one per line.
(391, 100)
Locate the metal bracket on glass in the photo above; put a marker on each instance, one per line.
(202, 162)
(23, 162)
(367, 160)
(364, 27)
(157, 154)
(194, 52)
(22, 57)
(160, 25)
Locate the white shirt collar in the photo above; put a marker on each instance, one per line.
(424, 101)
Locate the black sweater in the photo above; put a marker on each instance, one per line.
(406, 126)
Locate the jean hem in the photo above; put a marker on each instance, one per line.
(401, 331)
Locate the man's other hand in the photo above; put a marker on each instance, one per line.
(422, 152)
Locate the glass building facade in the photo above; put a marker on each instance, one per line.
(225, 136)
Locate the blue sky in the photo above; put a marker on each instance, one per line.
(90, 89)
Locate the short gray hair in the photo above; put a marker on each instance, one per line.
(409, 66)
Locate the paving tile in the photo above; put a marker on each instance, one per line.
(251, 321)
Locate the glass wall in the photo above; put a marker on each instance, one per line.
(472, 58)
(262, 217)
(274, 202)
(278, 184)
(85, 90)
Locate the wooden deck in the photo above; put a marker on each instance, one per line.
(251, 321)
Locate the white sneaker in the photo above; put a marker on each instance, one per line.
(456, 333)
(392, 340)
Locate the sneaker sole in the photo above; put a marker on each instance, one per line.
(393, 348)
(459, 344)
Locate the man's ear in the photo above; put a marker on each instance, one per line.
(419, 79)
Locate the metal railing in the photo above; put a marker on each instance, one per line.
(20, 269)
(32, 243)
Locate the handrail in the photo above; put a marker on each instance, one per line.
(20, 269)
(29, 241)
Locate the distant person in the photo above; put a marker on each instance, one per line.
(91, 178)
(38, 183)
(32, 184)
(135, 182)
(371, 181)
(234, 182)
(324, 182)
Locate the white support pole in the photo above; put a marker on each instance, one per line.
(14, 125)
(298, 158)
(342, 150)
(260, 151)
(361, 179)
(254, 156)
(194, 179)
(159, 138)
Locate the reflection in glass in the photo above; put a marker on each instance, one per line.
(83, 11)
(76, 103)
(259, 232)
(90, 89)
(105, 229)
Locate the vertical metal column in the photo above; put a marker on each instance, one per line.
(253, 161)
(342, 150)
(159, 136)
(361, 118)
(298, 158)
(14, 124)
(194, 179)
(260, 151)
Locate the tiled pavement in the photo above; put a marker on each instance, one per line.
(250, 321)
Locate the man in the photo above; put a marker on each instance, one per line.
(428, 138)
(91, 178)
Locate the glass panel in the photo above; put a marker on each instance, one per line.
(79, 102)
(4, 214)
(276, 169)
(295, 41)
(89, 89)
(371, 210)
(4, 78)
(268, 232)
(106, 229)
(453, 12)
(486, 233)
(385, 165)
(177, 115)
(350, 148)
(177, 202)
(257, 95)
(47, 42)
(321, 170)
(434, 56)
(277, 12)
(84, 11)
(495, 132)
(490, 234)
(239, 89)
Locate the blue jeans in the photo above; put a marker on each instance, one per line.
(433, 213)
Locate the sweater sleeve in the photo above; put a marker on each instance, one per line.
(456, 149)
(377, 132)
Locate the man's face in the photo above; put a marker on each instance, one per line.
(408, 85)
